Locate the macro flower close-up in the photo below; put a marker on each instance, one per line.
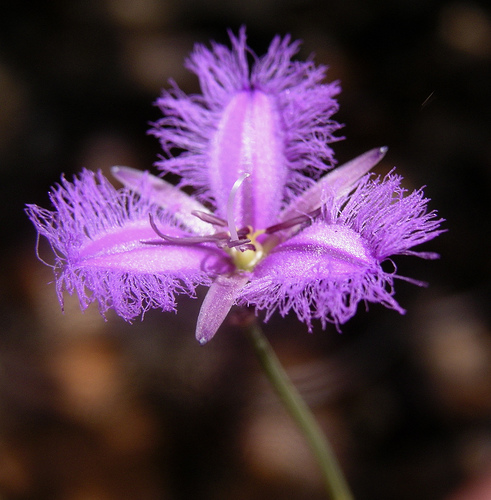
(270, 222)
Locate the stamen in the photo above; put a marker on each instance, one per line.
(222, 239)
(154, 226)
(193, 240)
(293, 221)
(187, 240)
(230, 207)
(243, 232)
(242, 244)
(210, 218)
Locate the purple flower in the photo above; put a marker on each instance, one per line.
(264, 227)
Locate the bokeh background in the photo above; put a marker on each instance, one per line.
(94, 410)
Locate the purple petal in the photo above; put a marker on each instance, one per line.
(321, 273)
(106, 250)
(220, 298)
(325, 270)
(249, 139)
(320, 249)
(272, 120)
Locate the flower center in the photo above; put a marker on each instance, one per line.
(241, 244)
(246, 259)
(244, 252)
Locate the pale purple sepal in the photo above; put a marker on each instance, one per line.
(167, 196)
(220, 298)
(336, 183)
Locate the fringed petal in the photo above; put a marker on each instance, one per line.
(325, 270)
(107, 251)
(388, 218)
(321, 273)
(272, 120)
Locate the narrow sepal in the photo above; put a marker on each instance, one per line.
(218, 301)
(335, 184)
(166, 196)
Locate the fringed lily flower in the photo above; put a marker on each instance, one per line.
(265, 227)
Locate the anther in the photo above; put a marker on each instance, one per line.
(293, 221)
(187, 240)
(210, 218)
(241, 245)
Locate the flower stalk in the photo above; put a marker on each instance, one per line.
(336, 485)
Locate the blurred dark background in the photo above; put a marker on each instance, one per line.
(94, 410)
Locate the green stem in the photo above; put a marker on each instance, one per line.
(336, 484)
